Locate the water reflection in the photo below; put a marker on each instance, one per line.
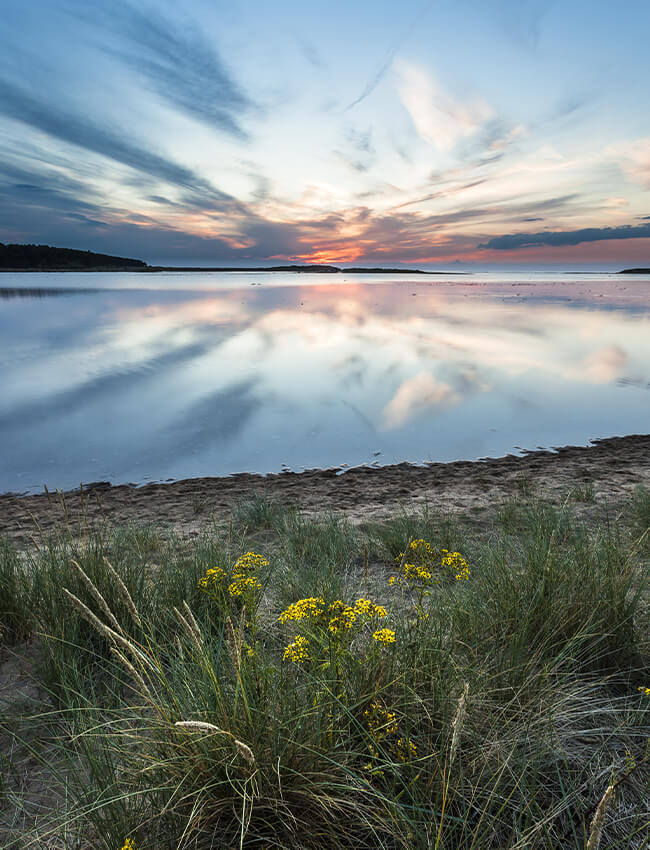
(138, 385)
(7, 292)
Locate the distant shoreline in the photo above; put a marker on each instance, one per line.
(15, 258)
(222, 269)
(276, 269)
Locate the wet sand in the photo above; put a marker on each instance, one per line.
(612, 468)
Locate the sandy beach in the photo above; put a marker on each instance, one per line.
(611, 468)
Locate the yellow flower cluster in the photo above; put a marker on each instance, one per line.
(645, 691)
(416, 564)
(456, 561)
(406, 750)
(381, 722)
(366, 608)
(212, 576)
(129, 844)
(341, 616)
(383, 728)
(422, 547)
(424, 560)
(297, 650)
(414, 573)
(303, 609)
(241, 581)
(332, 626)
(338, 615)
(384, 636)
(250, 562)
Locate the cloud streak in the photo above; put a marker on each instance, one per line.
(514, 241)
(180, 64)
(385, 64)
(50, 117)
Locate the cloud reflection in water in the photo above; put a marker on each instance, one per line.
(134, 385)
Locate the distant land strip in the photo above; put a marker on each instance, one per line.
(45, 258)
(304, 268)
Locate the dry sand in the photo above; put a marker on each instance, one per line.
(612, 467)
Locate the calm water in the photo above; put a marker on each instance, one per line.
(132, 378)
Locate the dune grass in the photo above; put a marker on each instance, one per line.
(268, 686)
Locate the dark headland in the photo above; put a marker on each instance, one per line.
(635, 271)
(44, 258)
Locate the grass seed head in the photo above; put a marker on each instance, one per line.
(124, 593)
(200, 726)
(596, 831)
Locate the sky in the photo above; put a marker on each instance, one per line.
(425, 134)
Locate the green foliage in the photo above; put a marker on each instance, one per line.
(314, 557)
(390, 537)
(15, 622)
(583, 493)
(640, 515)
(260, 512)
(482, 700)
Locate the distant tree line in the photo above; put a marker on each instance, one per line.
(47, 258)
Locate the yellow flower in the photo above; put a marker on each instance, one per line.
(341, 616)
(242, 583)
(129, 844)
(364, 607)
(297, 650)
(423, 561)
(381, 722)
(416, 573)
(406, 750)
(456, 561)
(384, 636)
(249, 562)
(645, 691)
(303, 609)
(211, 577)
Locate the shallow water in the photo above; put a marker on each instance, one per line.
(137, 377)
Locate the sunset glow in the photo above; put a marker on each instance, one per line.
(429, 134)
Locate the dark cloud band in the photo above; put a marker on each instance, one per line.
(514, 241)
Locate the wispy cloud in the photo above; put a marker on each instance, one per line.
(439, 118)
(387, 60)
(375, 79)
(52, 118)
(178, 61)
(635, 161)
(311, 53)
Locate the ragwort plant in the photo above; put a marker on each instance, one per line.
(213, 755)
(337, 680)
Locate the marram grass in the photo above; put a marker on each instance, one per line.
(219, 694)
